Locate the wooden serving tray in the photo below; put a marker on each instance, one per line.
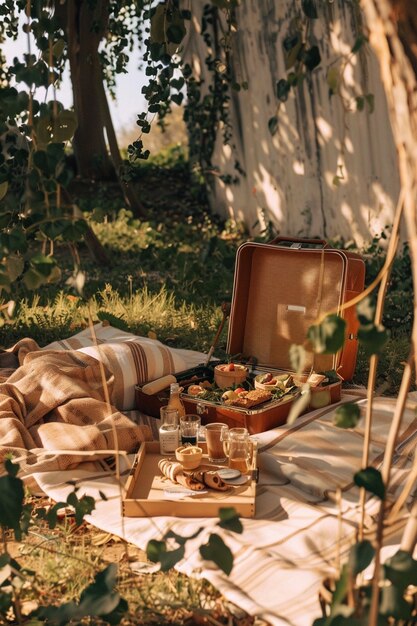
(145, 488)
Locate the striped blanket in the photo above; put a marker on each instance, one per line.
(302, 530)
(53, 403)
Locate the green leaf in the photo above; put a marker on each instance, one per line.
(175, 33)
(3, 189)
(293, 45)
(371, 480)
(360, 103)
(365, 310)
(359, 41)
(217, 551)
(157, 552)
(43, 264)
(11, 503)
(64, 126)
(312, 58)
(170, 558)
(309, 9)
(329, 336)
(229, 519)
(14, 266)
(401, 570)
(273, 125)
(54, 229)
(360, 556)
(58, 48)
(181, 541)
(11, 468)
(347, 415)
(17, 240)
(116, 322)
(33, 279)
(373, 338)
(75, 231)
(393, 604)
(370, 99)
(283, 88)
(341, 588)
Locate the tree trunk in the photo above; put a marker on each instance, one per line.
(86, 27)
(330, 170)
(85, 30)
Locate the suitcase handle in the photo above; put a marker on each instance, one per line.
(297, 242)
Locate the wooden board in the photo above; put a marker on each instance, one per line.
(145, 491)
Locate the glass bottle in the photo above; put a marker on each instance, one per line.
(175, 401)
(169, 430)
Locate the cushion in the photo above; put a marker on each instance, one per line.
(132, 359)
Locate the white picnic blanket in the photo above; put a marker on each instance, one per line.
(296, 538)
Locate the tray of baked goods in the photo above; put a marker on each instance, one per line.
(163, 485)
(241, 394)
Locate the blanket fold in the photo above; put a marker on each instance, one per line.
(55, 400)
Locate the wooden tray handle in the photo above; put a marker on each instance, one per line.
(299, 240)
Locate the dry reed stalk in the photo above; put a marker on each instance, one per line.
(399, 83)
(373, 364)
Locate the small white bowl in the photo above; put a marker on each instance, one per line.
(189, 456)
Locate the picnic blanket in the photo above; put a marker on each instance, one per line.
(297, 537)
(53, 402)
(53, 398)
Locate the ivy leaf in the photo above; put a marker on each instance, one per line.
(12, 495)
(14, 266)
(312, 58)
(360, 103)
(273, 125)
(309, 9)
(347, 415)
(33, 279)
(365, 310)
(401, 570)
(393, 604)
(283, 88)
(359, 41)
(217, 551)
(229, 519)
(360, 556)
(154, 549)
(43, 264)
(341, 588)
(373, 338)
(292, 45)
(370, 99)
(329, 336)
(371, 480)
(157, 552)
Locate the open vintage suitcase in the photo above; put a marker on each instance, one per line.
(280, 289)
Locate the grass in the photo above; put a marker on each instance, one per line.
(64, 561)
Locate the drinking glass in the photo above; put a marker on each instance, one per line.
(189, 428)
